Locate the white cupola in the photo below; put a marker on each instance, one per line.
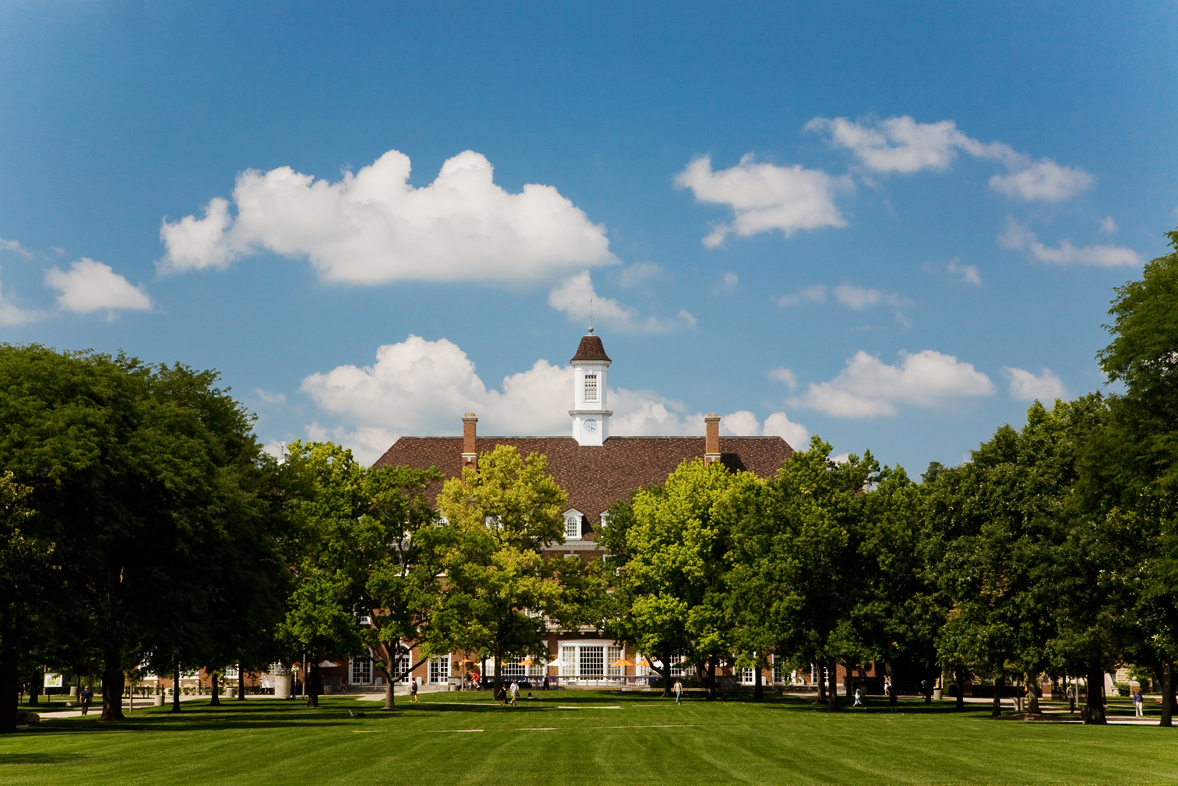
(589, 413)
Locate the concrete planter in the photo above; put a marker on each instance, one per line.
(937, 694)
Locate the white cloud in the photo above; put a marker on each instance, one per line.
(422, 387)
(574, 295)
(729, 283)
(638, 273)
(90, 286)
(374, 227)
(900, 144)
(968, 273)
(811, 294)
(764, 197)
(785, 375)
(867, 387)
(1025, 386)
(1108, 226)
(12, 315)
(1043, 181)
(1017, 236)
(266, 397)
(15, 247)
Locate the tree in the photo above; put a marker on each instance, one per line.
(1133, 472)
(500, 589)
(396, 562)
(134, 469)
(23, 561)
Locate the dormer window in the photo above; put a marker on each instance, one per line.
(572, 524)
(590, 387)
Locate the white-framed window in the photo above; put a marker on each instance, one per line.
(641, 669)
(612, 656)
(748, 676)
(572, 524)
(361, 671)
(776, 671)
(568, 661)
(590, 387)
(401, 665)
(231, 672)
(439, 669)
(512, 668)
(591, 661)
(365, 620)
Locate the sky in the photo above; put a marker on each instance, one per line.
(893, 226)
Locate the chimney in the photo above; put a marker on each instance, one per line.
(712, 438)
(470, 457)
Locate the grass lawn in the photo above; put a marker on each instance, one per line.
(571, 737)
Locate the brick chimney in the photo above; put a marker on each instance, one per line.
(470, 457)
(711, 438)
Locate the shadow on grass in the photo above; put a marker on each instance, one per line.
(41, 758)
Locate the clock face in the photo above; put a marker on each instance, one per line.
(591, 426)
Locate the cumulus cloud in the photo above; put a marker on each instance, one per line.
(967, 273)
(868, 387)
(639, 273)
(422, 387)
(729, 284)
(12, 315)
(900, 144)
(1108, 226)
(575, 294)
(765, 197)
(785, 375)
(811, 294)
(374, 227)
(15, 248)
(1026, 386)
(1016, 236)
(90, 286)
(272, 399)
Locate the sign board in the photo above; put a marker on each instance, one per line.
(52, 680)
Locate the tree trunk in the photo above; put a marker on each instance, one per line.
(9, 687)
(35, 687)
(216, 700)
(313, 694)
(1167, 693)
(758, 688)
(498, 664)
(389, 667)
(113, 681)
(832, 694)
(1093, 712)
(665, 670)
(712, 678)
(176, 688)
(1033, 690)
(240, 683)
(959, 677)
(996, 707)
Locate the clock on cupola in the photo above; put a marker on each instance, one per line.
(590, 417)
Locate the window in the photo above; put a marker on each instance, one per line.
(641, 669)
(592, 662)
(439, 669)
(748, 676)
(514, 669)
(612, 656)
(591, 387)
(776, 671)
(230, 673)
(568, 661)
(402, 664)
(361, 671)
(572, 525)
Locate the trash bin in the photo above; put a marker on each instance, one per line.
(159, 699)
(454, 683)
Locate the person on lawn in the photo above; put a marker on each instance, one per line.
(1138, 709)
(514, 691)
(678, 691)
(413, 689)
(858, 697)
(86, 696)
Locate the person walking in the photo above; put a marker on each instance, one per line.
(86, 696)
(678, 690)
(413, 689)
(1138, 709)
(858, 697)
(514, 691)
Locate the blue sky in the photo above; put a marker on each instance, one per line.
(892, 227)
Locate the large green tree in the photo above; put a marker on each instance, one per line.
(501, 591)
(138, 474)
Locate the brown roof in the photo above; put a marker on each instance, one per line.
(591, 349)
(596, 477)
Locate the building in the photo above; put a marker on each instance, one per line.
(596, 469)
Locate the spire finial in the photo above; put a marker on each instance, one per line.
(591, 315)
